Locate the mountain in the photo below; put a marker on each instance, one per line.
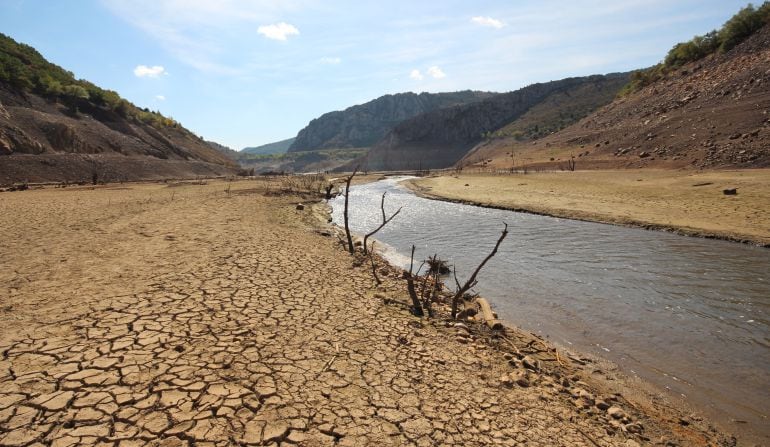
(363, 125)
(440, 138)
(704, 108)
(54, 127)
(222, 149)
(279, 147)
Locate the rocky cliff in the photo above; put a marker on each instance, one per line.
(364, 125)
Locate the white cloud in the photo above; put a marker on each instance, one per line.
(160, 97)
(278, 31)
(487, 21)
(143, 71)
(199, 33)
(416, 75)
(436, 73)
(331, 60)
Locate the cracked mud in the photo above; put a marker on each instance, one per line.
(159, 316)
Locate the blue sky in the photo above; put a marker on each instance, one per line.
(248, 72)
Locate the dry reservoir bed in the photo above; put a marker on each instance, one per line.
(690, 202)
(152, 314)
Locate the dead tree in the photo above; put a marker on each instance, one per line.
(472, 280)
(374, 267)
(329, 191)
(384, 221)
(351, 248)
(416, 305)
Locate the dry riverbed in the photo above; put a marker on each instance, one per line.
(218, 314)
(689, 202)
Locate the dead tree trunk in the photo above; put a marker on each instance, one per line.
(351, 249)
(329, 191)
(374, 267)
(416, 306)
(472, 280)
(384, 221)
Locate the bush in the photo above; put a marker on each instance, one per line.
(22, 67)
(737, 29)
(742, 25)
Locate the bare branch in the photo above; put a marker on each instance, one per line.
(384, 221)
(472, 280)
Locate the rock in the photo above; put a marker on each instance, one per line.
(521, 378)
(616, 412)
(300, 207)
(462, 326)
(506, 381)
(634, 427)
(531, 363)
(644, 154)
(602, 405)
(730, 191)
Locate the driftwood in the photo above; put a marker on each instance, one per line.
(489, 316)
(472, 280)
(384, 221)
(351, 248)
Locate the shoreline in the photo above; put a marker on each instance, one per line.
(415, 186)
(260, 330)
(638, 393)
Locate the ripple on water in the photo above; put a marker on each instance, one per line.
(688, 314)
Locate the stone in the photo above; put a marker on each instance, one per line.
(616, 412)
(531, 363)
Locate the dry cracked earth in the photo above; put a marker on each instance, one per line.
(187, 316)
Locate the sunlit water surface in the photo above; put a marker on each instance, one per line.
(687, 314)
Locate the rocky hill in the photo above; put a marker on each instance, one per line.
(364, 125)
(704, 109)
(54, 127)
(440, 138)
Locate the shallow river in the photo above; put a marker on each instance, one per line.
(690, 315)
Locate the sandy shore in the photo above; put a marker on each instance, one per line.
(176, 315)
(687, 202)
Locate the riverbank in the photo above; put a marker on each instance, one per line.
(216, 314)
(686, 202)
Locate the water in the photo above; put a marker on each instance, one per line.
(690, 315)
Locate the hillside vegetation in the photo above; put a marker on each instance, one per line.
(26, 70)
(736, 30)
(78, 131)
(709, 113)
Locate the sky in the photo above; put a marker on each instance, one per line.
(248, 72)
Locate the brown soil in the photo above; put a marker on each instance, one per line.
(212, 315)
(712, 113)
(688, 202)
(43, 141)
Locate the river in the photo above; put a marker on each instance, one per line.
(689, 315)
